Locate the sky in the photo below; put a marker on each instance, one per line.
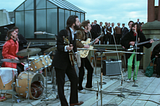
(121, 11)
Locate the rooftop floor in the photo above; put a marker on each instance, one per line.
(146, 94)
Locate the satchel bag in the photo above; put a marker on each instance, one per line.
(149, 69)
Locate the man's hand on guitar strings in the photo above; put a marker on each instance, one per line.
(97, 40)
(69, 47)
(132, 43)
(86, 46)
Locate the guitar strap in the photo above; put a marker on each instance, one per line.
(69, 37)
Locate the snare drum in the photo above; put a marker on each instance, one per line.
(6, 77)
(36, 84)
(37, 64)
(48, 60)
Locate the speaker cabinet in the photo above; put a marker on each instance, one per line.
(111, 68)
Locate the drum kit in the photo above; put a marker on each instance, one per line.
(30, 82)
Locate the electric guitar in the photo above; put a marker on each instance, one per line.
(141, 43)
(84, 53)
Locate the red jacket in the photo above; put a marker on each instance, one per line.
(10, 48)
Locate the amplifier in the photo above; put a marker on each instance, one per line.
(111, 67)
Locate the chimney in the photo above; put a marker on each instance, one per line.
(151, 11)
(159, 11)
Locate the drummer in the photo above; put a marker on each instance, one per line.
(10, 48)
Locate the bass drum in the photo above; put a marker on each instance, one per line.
(36, 85)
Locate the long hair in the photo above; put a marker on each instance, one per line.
(71, 20)
(9, 34)
(84, 23)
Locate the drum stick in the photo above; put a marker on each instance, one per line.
(28, 45)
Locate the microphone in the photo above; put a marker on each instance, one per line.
(39, 33)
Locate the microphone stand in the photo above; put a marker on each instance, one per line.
(122, 78)
(134, 85)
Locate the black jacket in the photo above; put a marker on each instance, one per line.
(61, 59)
(95, 31)
(130, 37)
(22, 41)
(156, 51)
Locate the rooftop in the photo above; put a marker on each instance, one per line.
(146, 94)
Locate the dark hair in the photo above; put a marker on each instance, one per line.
(71, 20)
(9, 34)
(84, 23)
(130, 22)
(138, 27)
(15, 27)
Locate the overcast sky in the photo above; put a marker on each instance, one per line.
(101, 10)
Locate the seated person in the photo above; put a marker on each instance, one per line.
(156, 54)
(10, 49)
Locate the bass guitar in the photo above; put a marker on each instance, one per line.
(75, 61)
(84, 53)
(138, 44)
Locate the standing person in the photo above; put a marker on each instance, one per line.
(138, 23)
(82, 36)
(101, 31)
(105, 37)
(112, 34)
(130, 39)
(62, 63)
(118, 33)
(124, 30)
(109, 31)
(21, 40)
(95, 31)
(10, 48)
(130, 29)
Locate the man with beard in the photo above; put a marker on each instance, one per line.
(130, 39)
(82, 35)
(62, 63)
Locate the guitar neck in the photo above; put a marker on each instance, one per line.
(146, 42)
(91, 43)
(143, 43)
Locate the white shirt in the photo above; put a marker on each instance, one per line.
(72, 32)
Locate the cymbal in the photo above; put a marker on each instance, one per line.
(50, 49)
(29, 51)
(12, 60)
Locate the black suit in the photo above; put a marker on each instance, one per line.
(124, 31)
(63, 66)
(130, 37)
(95, 31)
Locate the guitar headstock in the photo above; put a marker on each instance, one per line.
(66, 41)
(156, 39)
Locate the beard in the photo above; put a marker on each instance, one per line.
(76, 27)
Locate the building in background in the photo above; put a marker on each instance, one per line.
(153, 11)
(44, 15)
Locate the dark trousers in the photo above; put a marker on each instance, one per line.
(112, 39)
(118, 37)
(85, 63)
(20, 68)
(60, 78)
(158, 66)
(107, 38)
